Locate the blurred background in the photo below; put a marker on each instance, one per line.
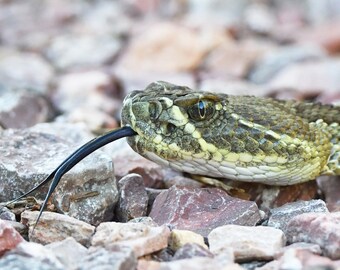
(74, 61)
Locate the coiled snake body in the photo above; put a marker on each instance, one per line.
(237, 137)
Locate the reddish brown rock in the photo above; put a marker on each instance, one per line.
(54, 227)
(202, 209)
(330, 187)
(313, 248)
(133, 198)
(318, 228)
(9, 237)
(22, 108)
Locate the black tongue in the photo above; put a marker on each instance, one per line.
(75, 158)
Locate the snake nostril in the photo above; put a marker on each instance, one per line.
(170, 127)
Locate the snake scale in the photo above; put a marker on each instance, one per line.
(243, 138)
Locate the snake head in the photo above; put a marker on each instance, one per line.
(169, 120)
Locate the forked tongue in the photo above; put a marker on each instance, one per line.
(75, 158)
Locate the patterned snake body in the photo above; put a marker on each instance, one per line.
(242, 138)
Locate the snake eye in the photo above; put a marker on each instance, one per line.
(202, 110)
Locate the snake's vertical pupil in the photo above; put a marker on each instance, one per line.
(201, 109)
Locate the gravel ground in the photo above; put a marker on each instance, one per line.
(65, 67)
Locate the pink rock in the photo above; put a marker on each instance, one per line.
(143, 239)
(318, 228)
(202, 209)
(168, 47)
(9, 237)
(309, 77)
(54, 227)
(248, 243)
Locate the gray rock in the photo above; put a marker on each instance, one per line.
(116, 258)
(202, 209)
(22, 108)
(81, 51)
(54, 227)
(68, 252)
(280, 216)
(88, 192)
(13, 261)
(6, 214)
(322, 229)
(133, 199)
(30, 256)
(15, 72)
(248, 243)
(274, 61)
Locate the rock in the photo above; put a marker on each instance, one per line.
(326, 35)
(143, 239)
(15, 72)
(169, 48)
(268, 197)
(127, 161)
(208, 208)
(191, 250)
(133, 198)
(272, 62)
(248, 243)
(22, 108)
(280, 216)
(197, 263)
(313, 248)
(331, 190)
(9, 237)
(308, 78)
(54, 227)
(178, 238)
(117, 258)
(260, 18)
(68, 252)
(75, 133)
(6, 214)
(301, 259)
(19, 227)
(74, 51)
(88, 89)
(144, 220)
(232, 87)
(318, 228)
(29, 256)
(138, 80)
(232, 59)
(93, 118)
(88, 192)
